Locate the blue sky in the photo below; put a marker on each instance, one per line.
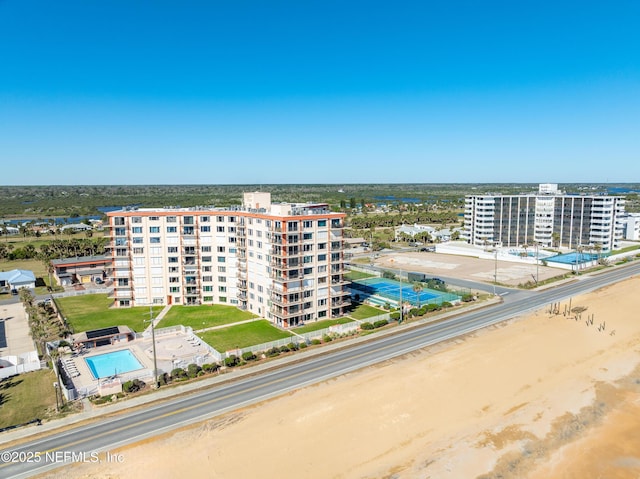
(243, 92)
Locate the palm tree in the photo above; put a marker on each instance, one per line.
(417, 288)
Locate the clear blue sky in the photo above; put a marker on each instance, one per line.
(170, 92)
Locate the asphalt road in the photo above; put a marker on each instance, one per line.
(82, 442)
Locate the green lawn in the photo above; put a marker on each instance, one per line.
(321, 325)
(26, 397)
(92, 311)
(206, 316)
(355, 275)
(363, 311)
(244, 335)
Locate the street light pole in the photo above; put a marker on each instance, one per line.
(156, 383)
(537, 265)
(495, 269)
(401, 305)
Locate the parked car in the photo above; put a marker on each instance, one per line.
(428, 249)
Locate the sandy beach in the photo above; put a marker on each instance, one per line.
(542, 396)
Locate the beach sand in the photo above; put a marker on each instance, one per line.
(542, 396)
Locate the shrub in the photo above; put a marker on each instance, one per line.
(248, 356)
(272, 352)
(446, 304)
(293, 346)
(422, 311)
(163, 379)
(210, 368)
(466, 298)
(193, 370)
(133, 386)
(414, 312)
(326, 338)
(231, 361)
(303, 345)
(284, 349)
(432, 307)
(178, 373)
(316, 341)
(381, 323)
(367, 326)
(395, 316)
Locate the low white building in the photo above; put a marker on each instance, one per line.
(17, 279)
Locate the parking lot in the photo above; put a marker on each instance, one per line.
(510, 273)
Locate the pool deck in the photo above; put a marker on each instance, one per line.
(173, 350)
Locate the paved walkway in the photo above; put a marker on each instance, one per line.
(158, 318)
(222, 326)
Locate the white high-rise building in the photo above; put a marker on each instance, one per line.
(549, 218)
(284, 261)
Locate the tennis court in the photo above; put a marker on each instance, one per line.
(573, 258)
(395, 290)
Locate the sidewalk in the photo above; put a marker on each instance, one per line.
(222, 326)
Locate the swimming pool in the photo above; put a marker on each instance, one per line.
(390, 289)
(111, 364)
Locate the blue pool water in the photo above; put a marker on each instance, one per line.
(110, 364)
(389, 288)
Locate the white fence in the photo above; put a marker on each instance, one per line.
(81, 292)
(22, 363)
(380, 317)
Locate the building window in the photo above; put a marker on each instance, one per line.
(172, 249)
(138, 250)
(136, 230)
(220, 249)
(206, 259)
(222, 289)
(223, 299)
(136, 219)
(207, 278)
(172, 259)
(221, 259)
(222, 269)
(205, 229)
(154, 218)
(206, 249)
(137, 240)
(322, 223)
(173, 279)
(154, 229)
(220, 219)
(208, 288)
(220, 229)
(307, 236)
(171, 219)
(222, 279)
(172, 229)
(205, 219)
(154, 240)
(322, 257)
